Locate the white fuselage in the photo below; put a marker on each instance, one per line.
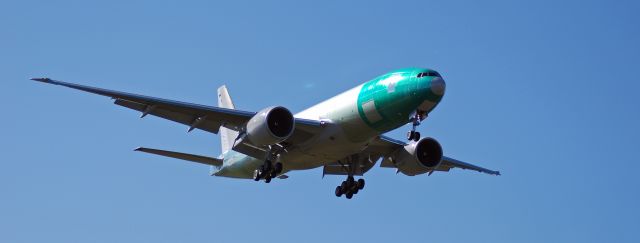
(329, 146)
(352, 120)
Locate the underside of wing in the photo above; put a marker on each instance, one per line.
(388, 148)
(448, 163)
(207, 118)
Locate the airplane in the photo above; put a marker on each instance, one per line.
(343, 135)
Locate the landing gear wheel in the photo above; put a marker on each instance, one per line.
(270, 168)
(343, 187)
(349, 195)
(416, 136)
(411, 135)
(277, 168)
(338, 191)
(360, 184)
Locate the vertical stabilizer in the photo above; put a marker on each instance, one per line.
(227, 136)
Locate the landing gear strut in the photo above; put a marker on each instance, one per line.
(269, 170)
(415, 122)
(349, 187)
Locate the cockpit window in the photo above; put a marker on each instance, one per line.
(429, 73)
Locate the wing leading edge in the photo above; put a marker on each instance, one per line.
(206, 118)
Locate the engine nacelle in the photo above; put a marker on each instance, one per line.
(418, 158)
(270, 126)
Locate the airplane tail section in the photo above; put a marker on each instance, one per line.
(227, 136)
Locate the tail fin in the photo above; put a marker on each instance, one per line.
(227, 136)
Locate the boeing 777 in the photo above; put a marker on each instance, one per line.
(343, 135)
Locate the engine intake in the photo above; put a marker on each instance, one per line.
(428, 152)
(270, 126)
(418, 158)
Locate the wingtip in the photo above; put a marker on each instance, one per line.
(138, 149)
(46, 80)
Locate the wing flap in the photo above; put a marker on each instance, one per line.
(183, 156)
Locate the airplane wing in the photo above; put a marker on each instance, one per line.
(206, 118)
(385, 146)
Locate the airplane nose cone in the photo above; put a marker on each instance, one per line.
(437, 86)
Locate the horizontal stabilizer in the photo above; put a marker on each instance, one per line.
(189, 157)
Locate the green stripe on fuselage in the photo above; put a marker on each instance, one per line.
(387, 102)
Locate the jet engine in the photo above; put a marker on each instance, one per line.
(419, 157)
(270, 126)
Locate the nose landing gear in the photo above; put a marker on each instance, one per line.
(417, 118)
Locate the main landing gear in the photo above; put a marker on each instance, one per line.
(268, 170)
(415, 122)
(349, 187)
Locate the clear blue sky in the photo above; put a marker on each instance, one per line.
(544, 91)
